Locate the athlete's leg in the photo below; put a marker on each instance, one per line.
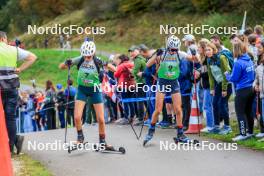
(158, 107)
(177, 103)
(99, 110)
(78, 111)
(170, 112)
(97, 101)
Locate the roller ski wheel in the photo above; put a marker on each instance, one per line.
(186, 141)
(77, 146)
(104, 148)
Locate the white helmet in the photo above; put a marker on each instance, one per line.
(173, 42)
(88, 48)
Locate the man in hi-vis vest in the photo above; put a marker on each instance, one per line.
(9, 84)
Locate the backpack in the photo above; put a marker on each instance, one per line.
(98, 64)
(229, 57)
(215, 68)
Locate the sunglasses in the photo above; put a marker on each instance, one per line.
(173, 50)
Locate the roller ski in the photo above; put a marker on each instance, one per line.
(183, 139)
(78, 145)
(105, 148)
(149, 136)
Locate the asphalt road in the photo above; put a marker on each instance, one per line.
(141, 160)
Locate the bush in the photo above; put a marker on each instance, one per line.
(100, 9)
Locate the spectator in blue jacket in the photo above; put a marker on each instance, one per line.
(243, 76)
(70, 96)
(186, 82)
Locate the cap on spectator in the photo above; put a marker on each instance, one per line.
(188, 37)
(143, 47)
(111, 57)
(59, 86)
(133, 48)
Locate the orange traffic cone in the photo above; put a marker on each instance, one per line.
(195, 122)
(5, 155)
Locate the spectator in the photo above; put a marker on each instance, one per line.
(125, 82)
(258, 30)
(219, 87)
(215, 39)
(205, 86)
(243, 77)
(150, 77)
(40, 115)
(252, 47)
(259, 86)
(139, 67)
(50, 105)
(60, 103)
(9, 83)
(61, 41)
(70, 97)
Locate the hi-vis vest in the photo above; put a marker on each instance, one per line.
(8, 64)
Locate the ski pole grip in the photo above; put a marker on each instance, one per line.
(68, 63)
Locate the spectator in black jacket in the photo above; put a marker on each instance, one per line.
(60, 103)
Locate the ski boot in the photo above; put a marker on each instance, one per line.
(80, 138)
(79, 143)
(149, 136)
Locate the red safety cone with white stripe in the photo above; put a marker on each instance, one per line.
(195, 122)
(5, 155)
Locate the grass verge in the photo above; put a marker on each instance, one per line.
(29, 167)
(252, 143)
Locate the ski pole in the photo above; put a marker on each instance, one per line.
(67, 106)
(45, 109)
(257, 108)
(130, 123)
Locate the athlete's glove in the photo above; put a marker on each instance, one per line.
(159, 52)
(68, 62)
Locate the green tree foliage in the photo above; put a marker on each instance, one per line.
(73, 5)
(135, 6)
(19, 13)
(2, 3)
(100, 9)
(253, 7)
(4, 20)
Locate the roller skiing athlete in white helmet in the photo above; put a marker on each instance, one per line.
(88, 80)
(168, 73)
